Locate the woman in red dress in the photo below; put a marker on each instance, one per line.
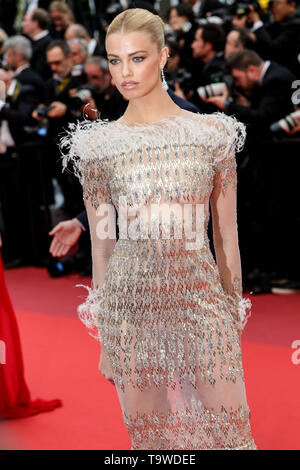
(15, 401)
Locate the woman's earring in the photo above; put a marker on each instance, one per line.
(163, 80)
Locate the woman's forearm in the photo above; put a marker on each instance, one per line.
(229, 265)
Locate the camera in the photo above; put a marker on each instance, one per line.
(78, 100)
(41, 128)
(43, 111)
(241, 9)
(213, 89)
(182, 77)
(286, 124)
(220, 83)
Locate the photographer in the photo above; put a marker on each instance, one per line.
(261, 102)
(240, 13)
(277, 40)
(223, 85)
(207, 48)
(58, 104)
(56, 112)
(24, 90)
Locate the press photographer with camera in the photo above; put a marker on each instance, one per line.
(240, 13)
(222, 82)
(23, 90)
(261, 102)
(56, 112)
(207, 49)
(57, 106)
(277, 40)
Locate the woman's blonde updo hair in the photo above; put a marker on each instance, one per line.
(139, 19)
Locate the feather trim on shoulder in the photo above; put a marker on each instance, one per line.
(230, 134)
(99, 139)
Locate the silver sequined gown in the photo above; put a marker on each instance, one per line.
(168, 317)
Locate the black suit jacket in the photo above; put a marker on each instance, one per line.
(29, 92)
(82, 217)
(208, 6)
(269, 102)
(39, 60)
(99, 50)
(8, 11)
(277, 41)
(59, 91)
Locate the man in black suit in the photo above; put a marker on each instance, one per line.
(208, 47)
(267, 88)
(59, 113)
(58, 87)
(25, 91)
(277, 40)
(62, 16)
(36, 27)
(8, 11)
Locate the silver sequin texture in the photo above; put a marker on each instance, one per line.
(170, 329)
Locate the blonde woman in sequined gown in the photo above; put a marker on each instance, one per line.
(169, 318)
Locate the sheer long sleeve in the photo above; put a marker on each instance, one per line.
(79, 146)
(224, 214)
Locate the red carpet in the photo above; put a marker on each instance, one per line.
(61, 360)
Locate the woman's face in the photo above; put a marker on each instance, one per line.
(134, 63)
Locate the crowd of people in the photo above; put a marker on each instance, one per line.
(239, 58)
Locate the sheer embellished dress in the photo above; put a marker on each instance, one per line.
(168, 316)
